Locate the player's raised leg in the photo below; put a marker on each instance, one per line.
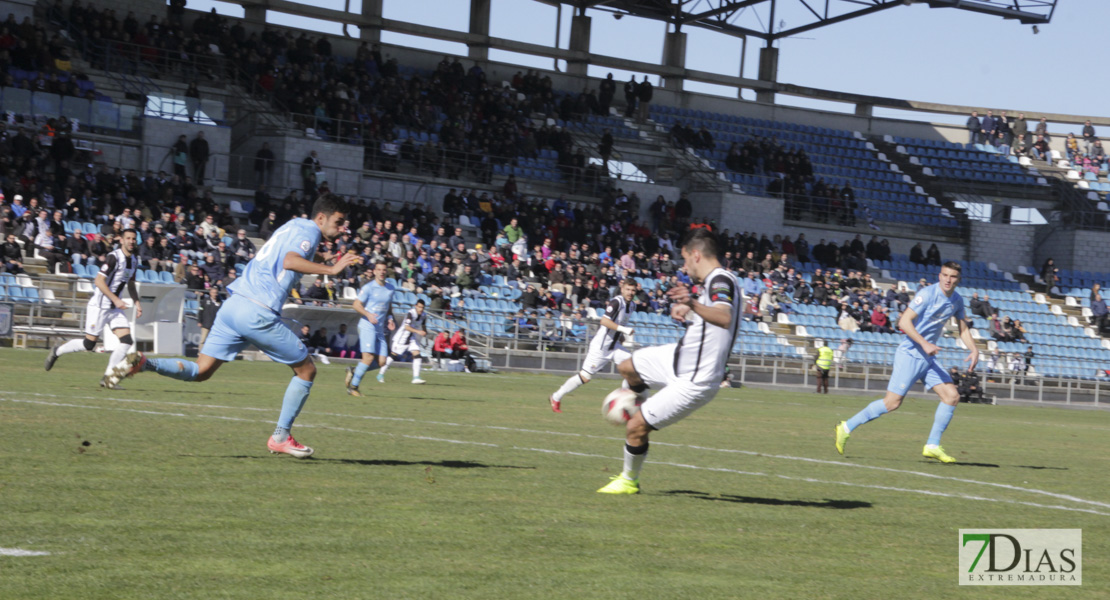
(872, 411)
(85, 344)
(572, 383)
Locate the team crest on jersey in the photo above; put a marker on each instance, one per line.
(305, 245)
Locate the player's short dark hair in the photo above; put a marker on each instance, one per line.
(382, 263)
(955, 266)
(131, 230)
(702, 240)
(420, 302)
(329, 204)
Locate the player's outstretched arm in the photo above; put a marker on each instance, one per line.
(296, 262)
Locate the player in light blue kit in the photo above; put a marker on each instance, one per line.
(923, 322)
(375, 305)
(252, 315)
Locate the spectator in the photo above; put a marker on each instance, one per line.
(242, 249)
(11, 255)
(644, 92)
(209, 305)
(441, 347)
(310, 167)
(1020, 130)
(1098, 311)
(192, 101)
(1048, 274)
(44, 243)
(982, 307)
(994, 362)
(1088, 137)
(969, 387)
(1041, 150)
(630, 93)
(340, 343)
(973, 127)
(1071, 146)
(880, 321)
(263, 164)
(180, 153)
(198, 152)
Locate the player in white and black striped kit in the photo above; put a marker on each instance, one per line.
(409, 338)
(690, 371)
(106, 308)
(606, 344)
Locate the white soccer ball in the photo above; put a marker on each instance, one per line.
(620, 405)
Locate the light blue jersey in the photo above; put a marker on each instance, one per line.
(378, 300)
(933, 310)
(911, 364)
(265, 279)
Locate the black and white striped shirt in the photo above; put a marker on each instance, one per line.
(117, 270)
(618, 312)
(702, 353)
(416, 321)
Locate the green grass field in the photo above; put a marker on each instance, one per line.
(470, 487)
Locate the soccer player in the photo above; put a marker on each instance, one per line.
(690, 371)
(923, 322)
(409, 339)
(375, 304)
(606, 345)
(106, 308)
(252, 315)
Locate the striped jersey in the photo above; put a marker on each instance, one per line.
(617, 311)
(118, 269)
(702, 353)
(416, 321)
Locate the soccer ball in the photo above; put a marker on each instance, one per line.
(620, 405)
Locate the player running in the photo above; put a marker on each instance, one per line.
(923, 322)
(106, 308)
(252, 315)
(690, 371)
(606, 345)
(410, 339)
(375, 304)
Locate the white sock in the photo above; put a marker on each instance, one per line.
(416, 367)
(633, 463)
(77, 345)
(117, 355)
(385, 367)
(569, 386)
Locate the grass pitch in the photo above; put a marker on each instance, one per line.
(470, 487)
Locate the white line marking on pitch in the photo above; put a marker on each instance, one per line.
(21, 552)
(608, 438)
(582, 454)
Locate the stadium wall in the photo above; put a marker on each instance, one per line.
(1008, 246)
(739, 212)
(1072, 249)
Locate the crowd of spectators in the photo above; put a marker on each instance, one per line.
(33, 60)
(1011, 135)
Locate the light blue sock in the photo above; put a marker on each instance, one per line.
(940, 422)
(873, 411)
(360, 370)
(295, 396)
(185, 370)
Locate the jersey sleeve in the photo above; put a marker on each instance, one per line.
(721, 290)
(109, 265)
(303, 242)
(921, 300)
(613, 309)
(364, 294)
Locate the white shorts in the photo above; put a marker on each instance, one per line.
(96, 319)
(677, 398)
(598, 358)
(400, 348)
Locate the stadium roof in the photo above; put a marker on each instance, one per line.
(767, 19)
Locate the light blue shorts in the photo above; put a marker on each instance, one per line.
(371, 340)
(911, 366)
(240, 323)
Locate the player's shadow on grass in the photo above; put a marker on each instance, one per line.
(385, 462)
(837, 504)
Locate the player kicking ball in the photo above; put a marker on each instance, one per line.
(252, 315)
(606, 346)
(923, 322)
(690, 371)
(375, 305)
(409, 339)
(107, 309)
